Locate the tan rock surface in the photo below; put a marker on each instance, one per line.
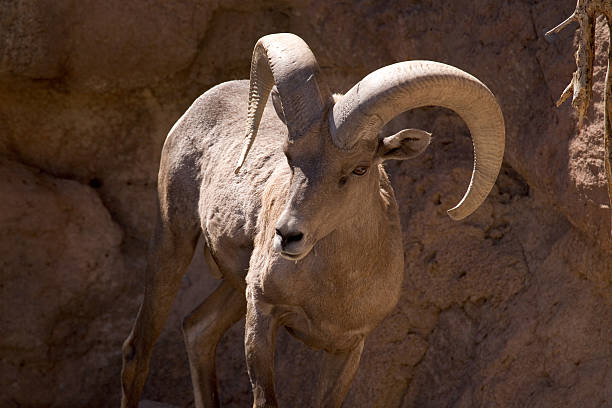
(62, 273)
(509, 308)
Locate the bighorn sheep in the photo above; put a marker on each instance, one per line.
(307, 235)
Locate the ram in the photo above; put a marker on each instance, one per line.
(305, 230)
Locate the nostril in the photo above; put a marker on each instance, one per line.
(294, 237)
(289, 237)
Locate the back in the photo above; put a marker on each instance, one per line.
(208, 138)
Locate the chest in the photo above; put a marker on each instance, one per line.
(337, 294)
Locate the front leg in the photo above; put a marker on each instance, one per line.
(259, 340)
(336, 375)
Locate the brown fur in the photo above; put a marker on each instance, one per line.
(345, 279)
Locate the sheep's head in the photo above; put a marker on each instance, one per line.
(333, 148)
(330, 185)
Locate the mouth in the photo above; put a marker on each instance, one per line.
(291, 256)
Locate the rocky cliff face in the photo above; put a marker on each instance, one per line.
(509, 308)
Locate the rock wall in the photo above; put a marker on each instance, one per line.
(509, 308)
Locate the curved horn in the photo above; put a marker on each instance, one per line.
(286, 61)
(396, 88)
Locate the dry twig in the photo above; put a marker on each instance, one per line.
(581, 84)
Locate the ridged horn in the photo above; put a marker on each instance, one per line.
(286, 61)
(397, 88)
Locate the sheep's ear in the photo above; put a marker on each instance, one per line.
(278, 106)
(403, 145)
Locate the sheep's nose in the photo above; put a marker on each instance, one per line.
(288, 237)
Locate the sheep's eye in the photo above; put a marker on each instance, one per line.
(360, 170)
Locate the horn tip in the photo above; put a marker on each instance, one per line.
(239, 165)
(456, 213)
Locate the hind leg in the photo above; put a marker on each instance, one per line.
(169, 256)
(203, 329)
